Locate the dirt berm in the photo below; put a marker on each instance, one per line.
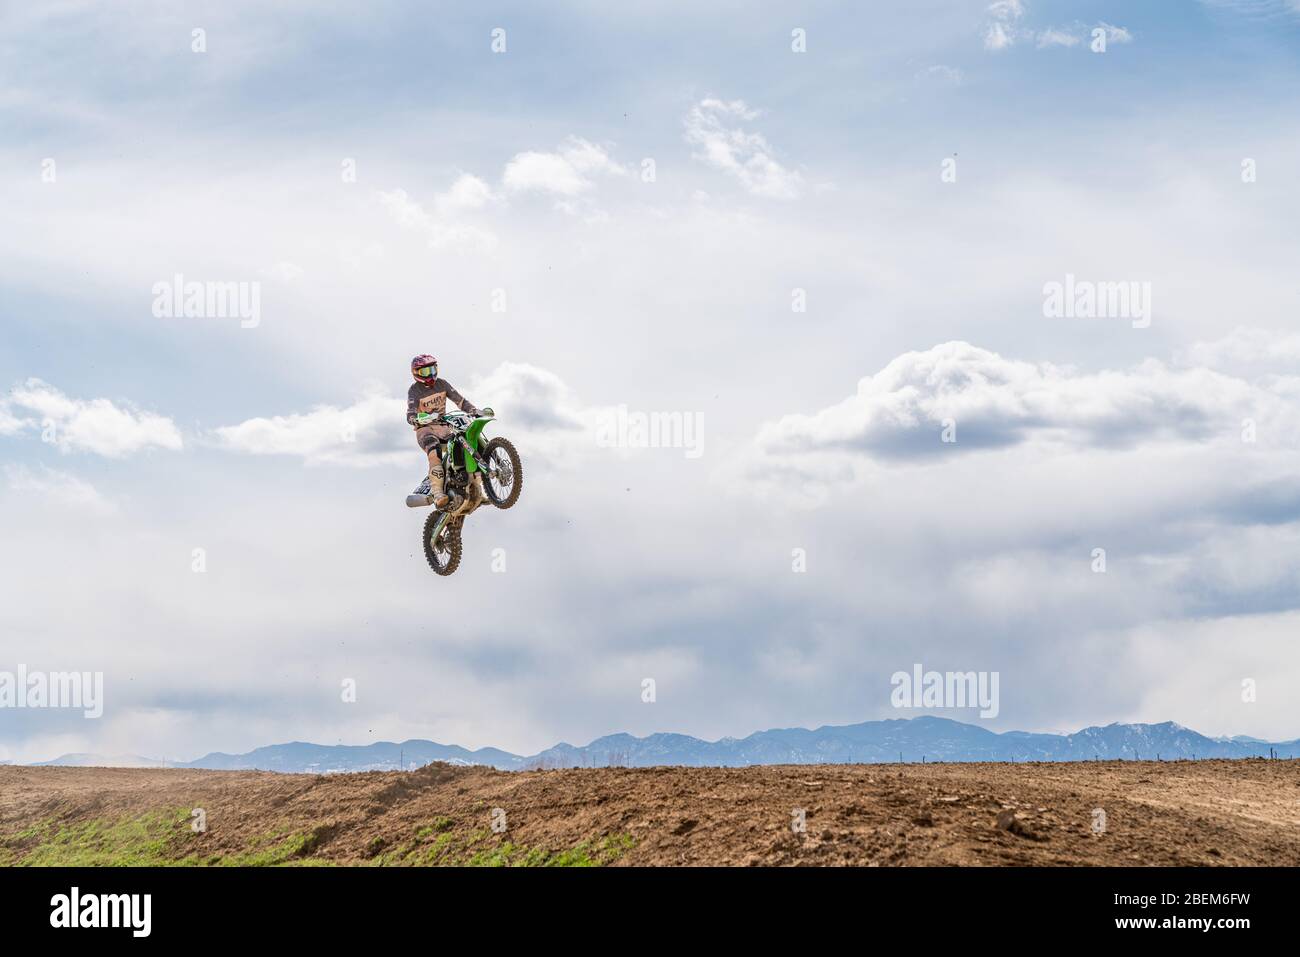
(1093, 813)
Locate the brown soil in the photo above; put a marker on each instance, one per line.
(1190, 813)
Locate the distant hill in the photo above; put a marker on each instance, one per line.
(299, 756)
(105, 761)
(907, 739)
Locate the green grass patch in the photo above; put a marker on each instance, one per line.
(439, 825)
(593, 854)
(155, 838)
(164, 837)
(293, 849)
(447, 851)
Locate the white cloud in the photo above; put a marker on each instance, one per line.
(10, 424)
(55, 486)
(899, 413)
(467, 193)
(997, 37)
(1003, 32)
(532, 398)
(441, 233)
(368, 432)
(89, 425)
(1115, 34)
(373, 431)
(1053, 37)
(1244, 347)
(1000, 34)
(746, 156)
(544, 172)
(566, 172)
(404, 210)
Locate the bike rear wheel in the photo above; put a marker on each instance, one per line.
(442, 554)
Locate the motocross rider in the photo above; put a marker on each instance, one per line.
(426, 401)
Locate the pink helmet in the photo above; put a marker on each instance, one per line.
(424, 368)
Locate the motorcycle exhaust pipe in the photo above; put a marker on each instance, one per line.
(419, 501)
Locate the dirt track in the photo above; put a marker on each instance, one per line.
(1198, 813)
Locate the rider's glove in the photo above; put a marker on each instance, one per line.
(424, 418)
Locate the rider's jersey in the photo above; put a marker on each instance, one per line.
(431, 397)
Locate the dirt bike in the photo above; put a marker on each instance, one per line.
(476, 470)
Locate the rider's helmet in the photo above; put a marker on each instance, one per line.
(424, 368)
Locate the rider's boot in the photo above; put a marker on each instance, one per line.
(436, 490)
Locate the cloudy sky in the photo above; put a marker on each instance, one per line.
(824, 234)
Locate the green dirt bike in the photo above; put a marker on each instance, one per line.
(476, 470)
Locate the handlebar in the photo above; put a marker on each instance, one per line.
(449, 418)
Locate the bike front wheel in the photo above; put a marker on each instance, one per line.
(503, 477)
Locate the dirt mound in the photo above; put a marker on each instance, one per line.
(1198, 813)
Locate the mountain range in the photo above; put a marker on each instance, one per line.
(925, 738)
